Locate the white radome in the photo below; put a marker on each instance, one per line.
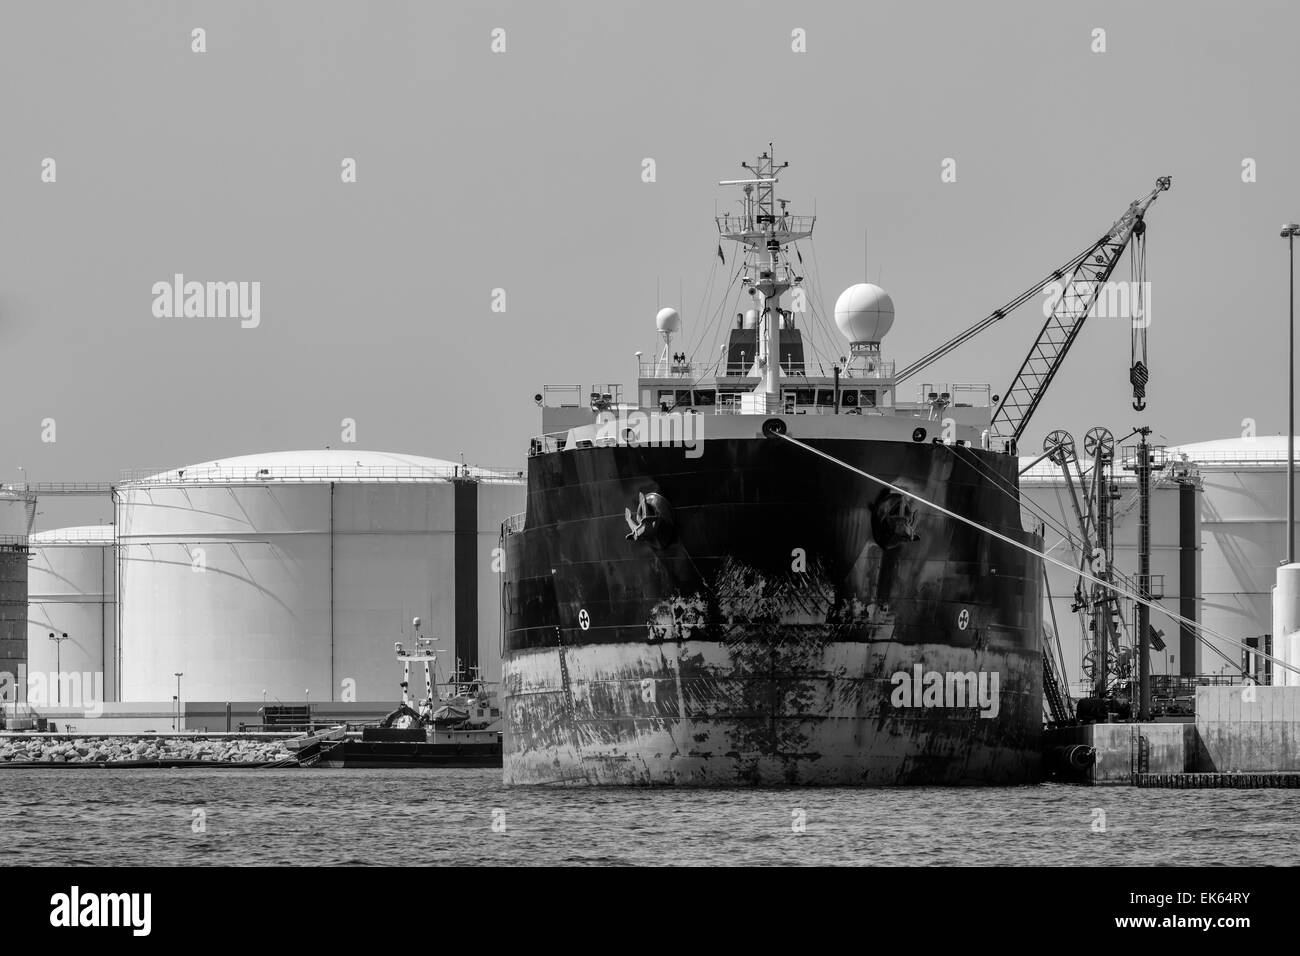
(668, 320)
(864, 312)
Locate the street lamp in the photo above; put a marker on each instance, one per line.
(58, 666)
(178, 675)
(1289, 232)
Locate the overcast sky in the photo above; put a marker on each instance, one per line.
(522, 171)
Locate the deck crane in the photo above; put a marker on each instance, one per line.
(1080, 280)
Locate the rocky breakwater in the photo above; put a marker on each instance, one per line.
(145, 749)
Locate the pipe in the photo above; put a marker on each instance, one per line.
(333, 686)
(1188, 545)
(1144, 577)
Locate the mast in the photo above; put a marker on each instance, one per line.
(765, 233)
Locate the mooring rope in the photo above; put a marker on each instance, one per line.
(1193, 625)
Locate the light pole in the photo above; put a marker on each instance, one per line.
(178, 675)
(1289, 232)
(58, 665)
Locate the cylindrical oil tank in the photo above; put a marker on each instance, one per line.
(1045, 498)
(1286, 624)
(17, 508)
(294, 573)
(1243, 522)
(72, 590)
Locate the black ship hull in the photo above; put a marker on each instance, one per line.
(758, 615)
(390, 748)
(382, 754)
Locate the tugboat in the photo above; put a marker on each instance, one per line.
(770, 570)
(456, 724)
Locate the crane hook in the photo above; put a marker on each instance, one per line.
(1139, 405)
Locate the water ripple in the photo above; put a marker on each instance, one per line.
(376, 818)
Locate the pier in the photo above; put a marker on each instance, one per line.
(1244, 737)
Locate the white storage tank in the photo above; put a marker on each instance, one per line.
(1243, 524)
(294, 573)
(72, 590)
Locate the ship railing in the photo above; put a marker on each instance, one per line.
(855, 376)
(741, 224)
(562, 396)
(734, 408)
(691, 370)
(551, 441)
(513, 524)
(959, 394)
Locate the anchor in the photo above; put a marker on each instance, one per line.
(653, 521)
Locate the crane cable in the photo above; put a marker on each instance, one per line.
(1187, 622)
(1138, 373)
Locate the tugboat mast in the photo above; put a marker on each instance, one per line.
(764, 233)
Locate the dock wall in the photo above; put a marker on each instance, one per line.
(1237, 730)
(1247, 729)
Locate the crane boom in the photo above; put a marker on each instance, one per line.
(1036, 289)
(1081, 279)
(1068, 315)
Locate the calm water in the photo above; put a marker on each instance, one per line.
(276, 817)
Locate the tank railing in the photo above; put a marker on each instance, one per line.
(33, 488)
(513, 524)
(1230, 456)
(14, 540)
(49, 537)
(311, 473)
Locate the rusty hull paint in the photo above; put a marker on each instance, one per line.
(707, 659)
(713, 721)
